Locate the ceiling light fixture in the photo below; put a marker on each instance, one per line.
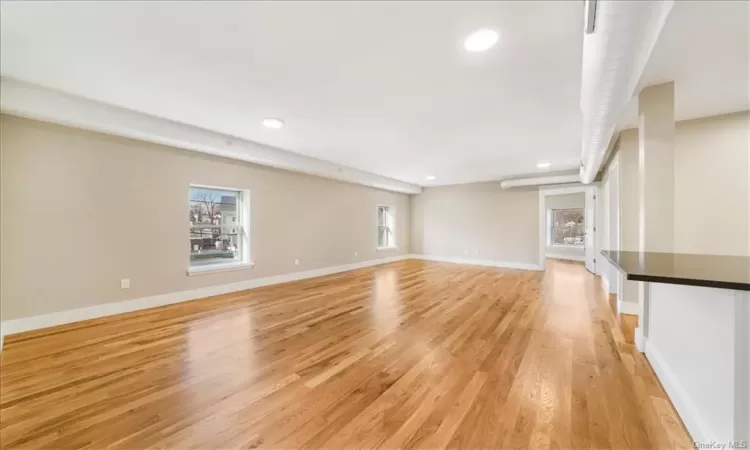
(273, 123)
(543, 165)
(481, 40)
(431, 177)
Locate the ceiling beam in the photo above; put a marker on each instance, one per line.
(40, 103)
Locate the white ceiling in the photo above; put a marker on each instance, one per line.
(384, 87)
(705, 48)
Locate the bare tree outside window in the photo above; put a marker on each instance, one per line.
(568, 227)
(215, 234)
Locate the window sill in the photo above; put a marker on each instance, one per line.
(393, 247)
(214, 268)
(565, 245)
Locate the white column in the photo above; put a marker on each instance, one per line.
(742, 366)
(656, 143)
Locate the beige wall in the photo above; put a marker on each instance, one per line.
(627, 151)
(711, 188)
(656, 160)
(712, 172)
(81, 210)
(565, 201)
(711, 178)
(459, 221)
(605, 232)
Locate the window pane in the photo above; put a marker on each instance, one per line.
(215, 234)
(568, 227)
(385, 226)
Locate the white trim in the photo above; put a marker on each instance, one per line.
(571, 246)
(622, 306)
(40, 103)
(628, 307)
(613, 207)
(392, 227)
(641, 332)
(216, 188)
(543, 235)
(536, 181)
(689, 412)
(221, 267)
(13, 326)
(243, 224)
(565, 256)
(553, 190)
(605, 283)
(742, 366)
(640, 340)
(479, 262)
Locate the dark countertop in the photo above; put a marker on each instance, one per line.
(716, 271)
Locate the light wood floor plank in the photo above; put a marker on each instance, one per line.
(412, 354)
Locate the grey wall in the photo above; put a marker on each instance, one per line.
(81, 210)
(477, 221)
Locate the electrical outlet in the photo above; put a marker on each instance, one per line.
(476, 253)
(356, 253)
(125, 283)
(296, 262)
(466, 251)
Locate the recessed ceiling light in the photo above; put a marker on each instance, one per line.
(273, 123)
(431, 177)
(543, 165)
(481, 40)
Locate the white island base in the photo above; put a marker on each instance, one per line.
(697, 340)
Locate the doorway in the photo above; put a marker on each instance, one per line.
(567, 224)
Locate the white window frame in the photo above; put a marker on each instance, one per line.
(391, 214)
(243, 225)
(551, 229)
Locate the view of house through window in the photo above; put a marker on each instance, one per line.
(567, 227)
(215, 226)
(386, 225)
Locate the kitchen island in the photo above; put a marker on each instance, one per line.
(694, 328)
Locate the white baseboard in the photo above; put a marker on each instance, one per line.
(628, 308)
(687, 410)
(640, 340)
(564, 256)
(479, 262)
(605, 284)
(8, 327)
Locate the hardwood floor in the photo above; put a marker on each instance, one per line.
(627, 323)
(411, 354)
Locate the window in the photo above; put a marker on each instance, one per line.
(386, 227)
(218, 227)
(566, 227)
